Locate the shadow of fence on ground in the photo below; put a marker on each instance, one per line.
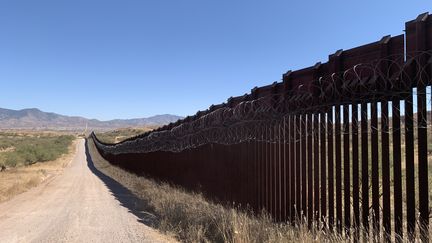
(126, 198)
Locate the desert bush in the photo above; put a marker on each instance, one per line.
(29, 150)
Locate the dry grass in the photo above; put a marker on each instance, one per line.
(191, 218)
(17, 180)
(118, 135)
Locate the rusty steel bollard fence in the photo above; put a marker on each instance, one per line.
(343, 144)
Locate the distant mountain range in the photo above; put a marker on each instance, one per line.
(37, 119)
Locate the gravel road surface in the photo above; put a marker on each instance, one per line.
(77, 205)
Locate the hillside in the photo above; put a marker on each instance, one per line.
(40, 120)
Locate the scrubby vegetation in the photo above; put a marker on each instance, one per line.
(18, 149)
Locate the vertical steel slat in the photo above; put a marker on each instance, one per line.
(244, 171)
(409, 165)
(227, 164)
(251, 169)
(338, 168)
(240, 173)
(330, 154)
(254, 192)
(422, 160)
(278, 172)
(365, 166)
(237, 176)
(247, 182)
(259, 167)
(385, 165)
(273, 171)
(355, 166)
(292, 168)
(267, 170)
(236, 180)
(422, 43)
(232, 175)
(323, 166)
(347, 168)
(263, 167)
(316, 165)
(227, 176)
(258, 161)
(288, 167)
(375, 166)
(309, 130)
(397, 169)
(303, 167)
(248, 161)
(298, 163)
(255, 175)
(224, 157)
(285, 175)
(281, 171)
(270, 171)
(255, 178)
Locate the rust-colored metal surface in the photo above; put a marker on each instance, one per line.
(331, 144)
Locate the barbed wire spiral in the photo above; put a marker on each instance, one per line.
(269, 118)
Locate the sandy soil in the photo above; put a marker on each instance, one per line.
(77, 205)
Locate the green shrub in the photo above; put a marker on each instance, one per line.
(12, 160)
(29, 150)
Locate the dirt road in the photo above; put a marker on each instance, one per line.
(79, 205)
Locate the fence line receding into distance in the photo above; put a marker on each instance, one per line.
(343, 143)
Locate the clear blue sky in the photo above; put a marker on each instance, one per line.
(121, 59)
